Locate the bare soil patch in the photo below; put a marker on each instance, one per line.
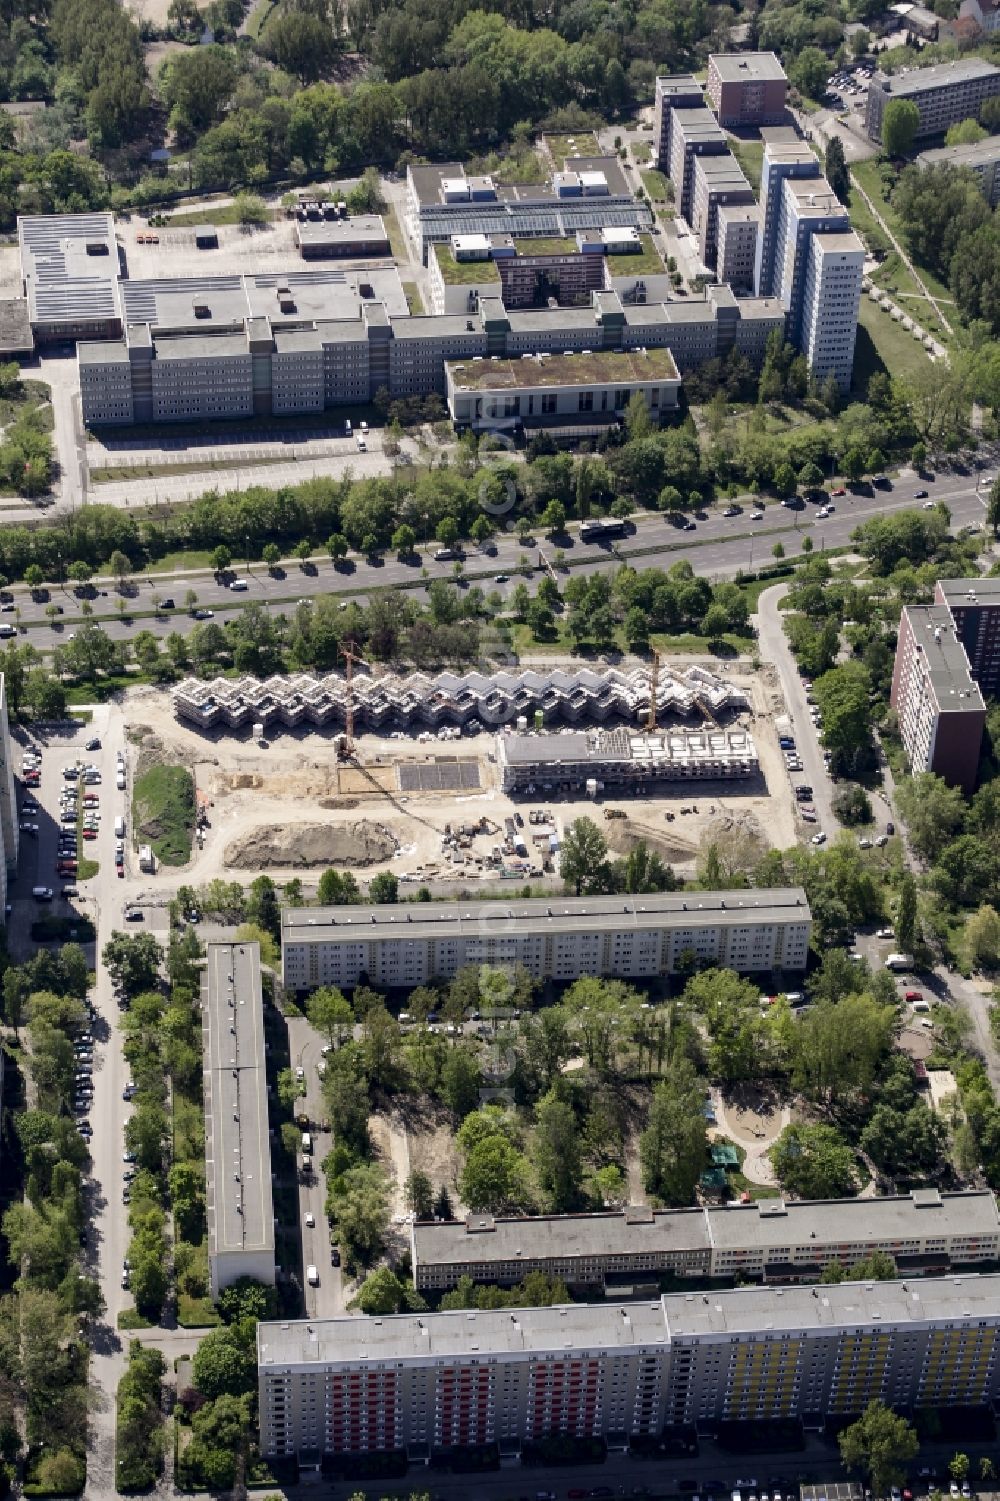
(303, 846)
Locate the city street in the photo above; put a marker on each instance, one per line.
(720, 547)
(305, 1049)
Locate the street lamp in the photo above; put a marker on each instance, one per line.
(246, 539)
(751, 551)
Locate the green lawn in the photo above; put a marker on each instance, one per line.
(414, 301)
(223, 213)
(462, 273)
(642, 152)
(581, 143)
(867, 175)
(657, 185)
(163, 808)
(646, 263)
(397, 240)
(750, 155)
(888, 346)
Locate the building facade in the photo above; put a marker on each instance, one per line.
(944, 94)
(773, 1240)
(746, 88)
(831, 300)
(751, 931)
(718, 181)
(974, 604)
(738, 229)
(808, 207)
(694, 132)
(622, 758)
(238, 1199)
(678, 91)
(782, 158)
(938, 703)
(427, 1383)
(985, 14)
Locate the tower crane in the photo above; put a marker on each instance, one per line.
(654, 688)
(351, 655)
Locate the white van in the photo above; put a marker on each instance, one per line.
(899, 961)
(312, 1276)
(307, 1144)
(42, 893)
(120, 827)
(921, 1007)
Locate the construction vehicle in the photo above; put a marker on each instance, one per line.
(615, 813)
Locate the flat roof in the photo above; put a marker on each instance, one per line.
(237, 1149)
(941, 75)
(698, 122)
(835, 242)
(847, 1305)
(15, 326)
(813, 196)
(600, 367)
(560, 1236)
(329, 293)
(197, 346)
(677, 83)
(943, 658)
(428, 182)
(957, 591)
(431, 1337)
(604, 747)
(428, 920)
(340, 231)
(103, 352)
(69, 263)
(456, 272)
(977, 154)
(778, 1224)
(746, 67)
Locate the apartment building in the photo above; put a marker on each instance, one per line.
(677, 91)
(238, 1199)
(563, 938)
(782, 158)
(938, 703)
(981, 158)
(718, 180)
(746, 88)
(694, 132)
(974, 604)
(773, 1240)
(737, 229)
(809, 207)
(943, 94)
(577, 394)
(420, 1384)
(831, 300)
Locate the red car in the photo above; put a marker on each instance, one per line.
(913, 995)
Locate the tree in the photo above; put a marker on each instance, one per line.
(553, 518)
(900, 123)
(246, 1298)
(251, 210)
(835, 165)
(337, 889)
(120, 566)
(329, 1011)
(965, 133)
(810, 71)
(982, 937)
(381, 1292)
(495, 1178)
(852, 805)
(906, 914)
(880, 1444)
(461, 1081)
(673, 1150)
(419, 1193)
(557, 1152)
(358, 1201)
(271, 554)
(383, 889)
(958, 1467)
(933, 812)
(993, 507)
(878, 1267)
(132, 960)
(583, 860)
(224, 1362)
(813, 1162)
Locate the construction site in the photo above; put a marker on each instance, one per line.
(455, 807)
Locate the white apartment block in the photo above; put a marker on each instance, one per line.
(736, 245)
(808, 207)
(718, 181)
(938, 702)
(774, 1240)
(753, 931)
(831, 300)
(420, 1384)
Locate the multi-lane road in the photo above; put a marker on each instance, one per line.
(719, 547)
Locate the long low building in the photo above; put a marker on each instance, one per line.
(622, 758)
(944, 94)
(580, 695)
(427, 1383)
(774, 1240)
(237, 1146)
(562, 938)
(981, 158)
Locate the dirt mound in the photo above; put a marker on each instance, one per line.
(304, 845)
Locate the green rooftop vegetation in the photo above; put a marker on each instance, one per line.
(645, 262)
(552, 245)
(598, 367)
(463, 273)
(581, 143)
